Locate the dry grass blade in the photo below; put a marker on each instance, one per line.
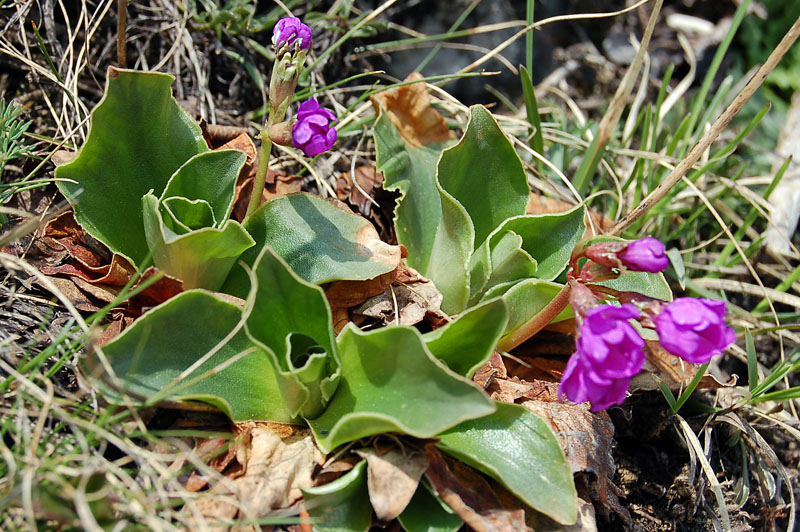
(711, 135)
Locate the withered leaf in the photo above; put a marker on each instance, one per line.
(471, 496)
(409, 108)
(392, 479)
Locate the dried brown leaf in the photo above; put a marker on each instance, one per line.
(406, 301)
(471, 496)
(409, 108)
(392, 479)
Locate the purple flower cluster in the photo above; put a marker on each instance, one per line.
(291, 31)
(609, 352)
(312, 131)
(644, 255)
(694, 329)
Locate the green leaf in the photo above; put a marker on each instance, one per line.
(150, 358)
(410, 170)
(211, 177)
(548, 238)
(183, 216)
(428, 513)
(392, 383)
(319, 241)
(518, 449)
(448, 267)
(484, 174)
(342, 505)
(525, 299)
(201, 258)
(532, 108)
(290, 320)
(139, 136)
(508, 261)
(468, 341)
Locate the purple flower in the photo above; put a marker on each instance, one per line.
(644, 255)
(580, 383)
(694, 329)
(609, 352)
(290, 30)
(609, 344)
(312, 132)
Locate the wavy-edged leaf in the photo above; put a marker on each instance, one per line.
(411, 171)
(290, 319)
(428, 513)
(319, 241)
(518, 449)
(467, 342)
(547, 238)
(150, 358)
(200, 258)
(484, 174)
(211, 177)
(525, 299)
(448, 267)
(139, 136)
(392, 383)
(341, 505)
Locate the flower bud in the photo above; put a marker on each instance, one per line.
(694, 329)
(312, 132)
(643, 255)
(292, 33)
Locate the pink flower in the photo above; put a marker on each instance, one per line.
(312, 132)
(645, 255)
(580, 384)
(609, 352)
(694, 329)
(290, 30)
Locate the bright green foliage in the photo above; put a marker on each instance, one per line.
(341, 505)
(146, 184)
(321, 242)
(392, 383)
(517, 448)
(410, 170)
(481, 237)
(290, 319)
(428, 513)
(138, 138)
(152, 359)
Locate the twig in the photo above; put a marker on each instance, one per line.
(711, 135)
(122, 23)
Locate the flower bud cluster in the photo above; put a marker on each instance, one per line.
(609, 350)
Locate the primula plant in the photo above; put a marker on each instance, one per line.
(253, 334)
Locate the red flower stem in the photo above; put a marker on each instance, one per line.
(604, 290)
(538, 322)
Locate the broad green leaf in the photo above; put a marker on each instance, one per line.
(509, 262)
(139, 136)
(209, 176)
(342, 505)
(157, 358)
(290, 319)
(392, 383)
(649, 284)
(525, 299)
(548, 238)
(183, 216)
(428, 513)
(448, 267)
(321, 242)
(468, 341)
(484, 174)
(518, 449)
(410, 170)
(200, 258)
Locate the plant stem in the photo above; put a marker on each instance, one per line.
(122, 22)
(261, 172)
(538, 322)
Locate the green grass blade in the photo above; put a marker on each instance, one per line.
(532, 110)
(752, 361)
